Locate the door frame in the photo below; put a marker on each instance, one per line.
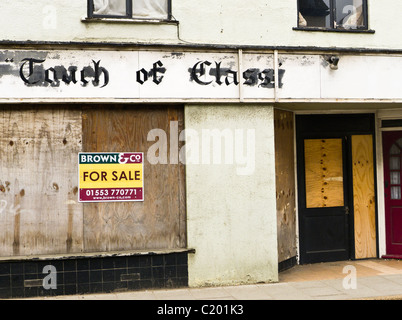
(343, 124)
(348, 196)
(387, 215)
(384, 115)
(388, 120)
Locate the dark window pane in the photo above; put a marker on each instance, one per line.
(315, 13)
(349, 14)
(395, 149)
(391, 123)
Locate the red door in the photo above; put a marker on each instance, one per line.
(392, 149)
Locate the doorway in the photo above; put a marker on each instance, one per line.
(392, 154)
(336, 187)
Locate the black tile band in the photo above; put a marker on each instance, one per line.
(20, 279)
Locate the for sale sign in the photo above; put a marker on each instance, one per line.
(111, 177)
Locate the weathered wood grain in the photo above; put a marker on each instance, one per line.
(39, 213)
(159, 221)
(285, 185)
(324, 173)
(364, 197)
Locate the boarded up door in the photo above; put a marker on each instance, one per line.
(324, 223)
(159, 221)
(337, 207)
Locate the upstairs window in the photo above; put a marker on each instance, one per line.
(130, 9)
(333, 14)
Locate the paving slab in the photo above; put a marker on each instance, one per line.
(209, 293)
(249, 292)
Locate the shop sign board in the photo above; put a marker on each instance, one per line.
(142, 75)
(111, 177)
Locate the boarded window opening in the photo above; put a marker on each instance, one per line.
(324, 173)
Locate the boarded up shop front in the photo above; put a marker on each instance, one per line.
(94, 247)
(41, 214)
(347, 130)
(59, 104)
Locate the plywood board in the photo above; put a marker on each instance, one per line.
(157, 222)
(364, 196)
(285, 185)
(39, 213)
(324, 173)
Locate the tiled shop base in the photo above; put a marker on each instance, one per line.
(92, 275)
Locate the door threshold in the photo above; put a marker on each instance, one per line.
(392, 256)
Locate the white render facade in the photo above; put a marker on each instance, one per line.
(228, 23)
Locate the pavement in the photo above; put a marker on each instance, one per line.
(374, 279)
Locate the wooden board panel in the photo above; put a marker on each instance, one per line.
(285, 185)
(39, 213)
(159, 221)
(324, 173)
(364, 196)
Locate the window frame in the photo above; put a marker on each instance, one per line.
(332, 4)
(129, 12)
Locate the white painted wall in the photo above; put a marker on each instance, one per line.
(59, 20)
(236, 22)
(231, 218)
(271, 22)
